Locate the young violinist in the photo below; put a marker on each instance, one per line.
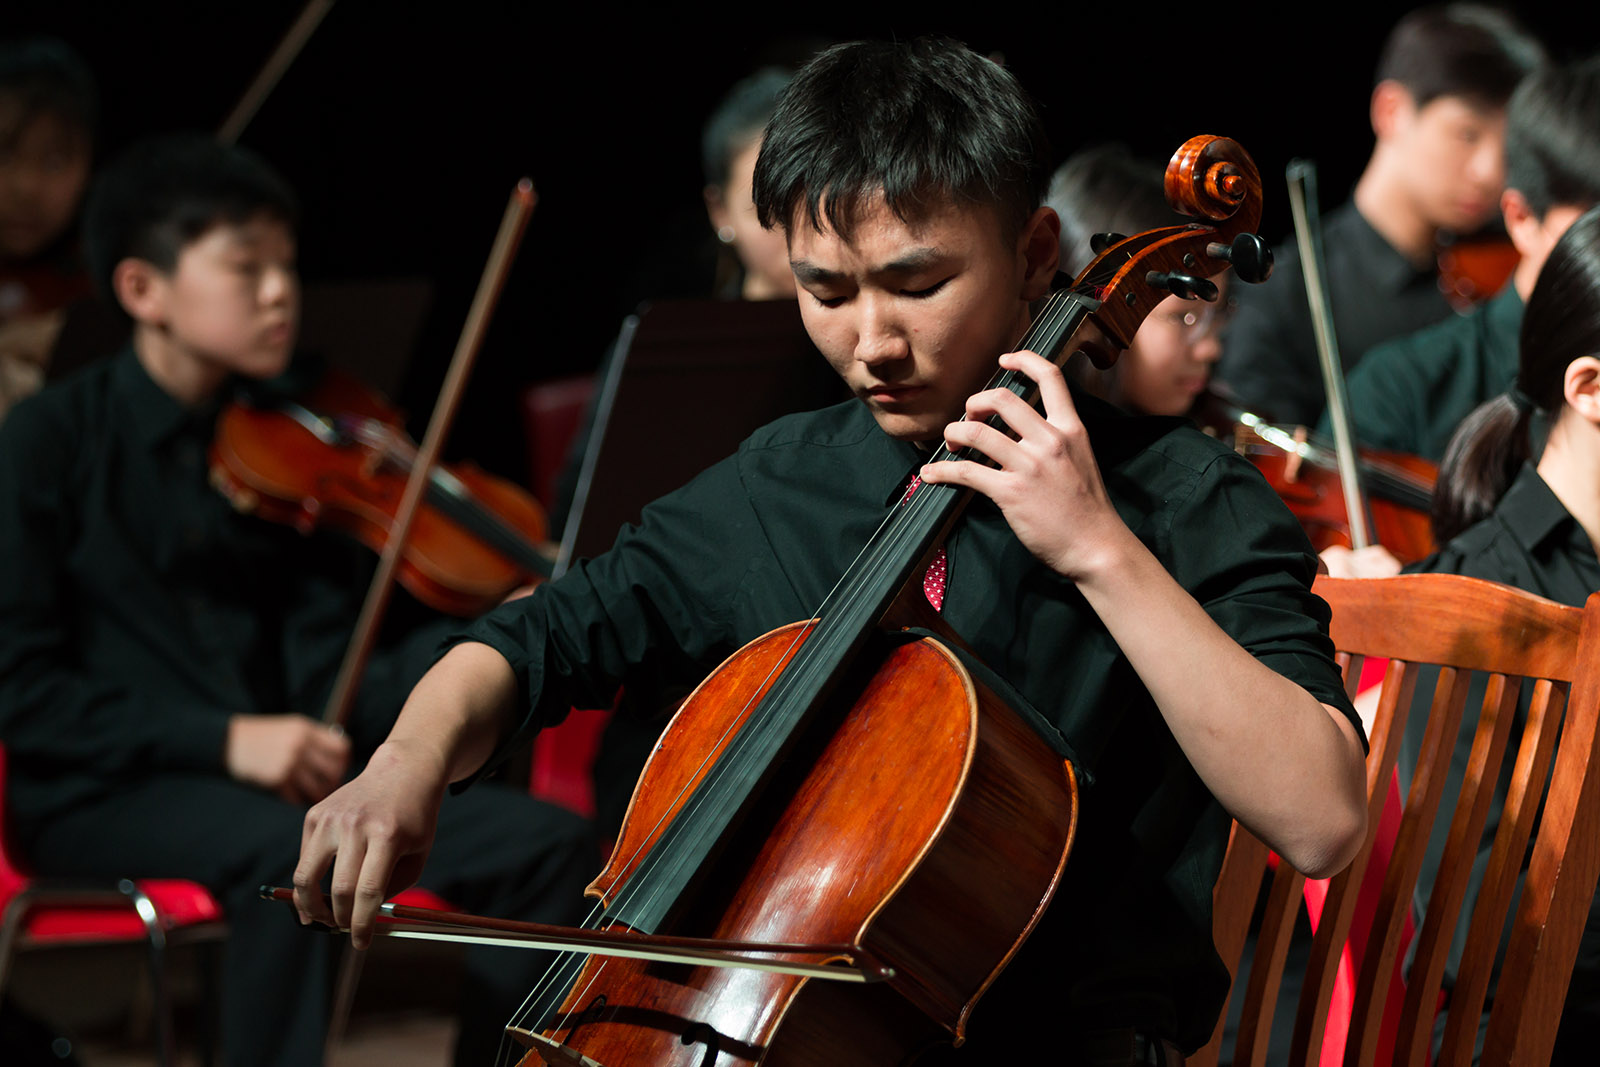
(1510, 512)
(1409, 394)
(1167, 367)
(162, 656)
(1438, 117)
(1134, 581)
(47, 126)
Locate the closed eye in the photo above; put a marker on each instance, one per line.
(919, 294)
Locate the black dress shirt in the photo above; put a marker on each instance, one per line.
(139, 611)
(758, 540)
(1269, 360)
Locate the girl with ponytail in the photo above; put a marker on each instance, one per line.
(1510, 512)
(1503, 509)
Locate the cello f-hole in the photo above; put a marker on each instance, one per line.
(703, 1034)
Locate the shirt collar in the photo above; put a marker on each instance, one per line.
(1390, 270)
(155, 416)
(1533, 513)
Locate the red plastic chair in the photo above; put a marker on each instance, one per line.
(37, 913)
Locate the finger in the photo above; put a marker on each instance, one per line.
(317, 847)
(371, 890)
(346, 876)
(976, 476)
(327, 764)
(1053, 391)
(983, 438)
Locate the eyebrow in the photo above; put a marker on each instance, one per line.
(909, 263)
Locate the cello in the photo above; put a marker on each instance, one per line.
(837, 783)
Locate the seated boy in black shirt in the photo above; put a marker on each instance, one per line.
(160, 653)
(1131, 579)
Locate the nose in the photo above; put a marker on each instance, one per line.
(279, 285)
(880, 337)
(1488, 163)
(1207, 349)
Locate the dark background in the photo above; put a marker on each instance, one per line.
(404, 127)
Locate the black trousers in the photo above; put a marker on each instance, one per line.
(497, 852)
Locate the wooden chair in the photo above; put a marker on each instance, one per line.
(1463, 625)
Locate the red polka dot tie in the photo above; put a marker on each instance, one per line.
(933, 581)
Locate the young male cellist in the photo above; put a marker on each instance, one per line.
(1135, 582)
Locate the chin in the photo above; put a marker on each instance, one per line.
(913, 428)
(264, 365)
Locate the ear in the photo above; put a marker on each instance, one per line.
(1040, 249)
(141, 289)
(1523, 225)
(717, 207)
(1580, 387)
(1392, 104)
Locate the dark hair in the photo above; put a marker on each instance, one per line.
(924, 122)
(164, 193)
(1560, 324)
(738, 120)
(1553, 136)
(1468, 50)
(47, 77)
(1106, 189)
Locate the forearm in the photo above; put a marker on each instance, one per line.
(1285, 765)
(459, 712)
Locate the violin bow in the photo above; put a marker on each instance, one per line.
(512, 226)
(1302, 178)
(273, 70)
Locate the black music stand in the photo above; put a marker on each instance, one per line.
(689, 380)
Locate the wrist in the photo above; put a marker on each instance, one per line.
(1103, 560)
(423, 762)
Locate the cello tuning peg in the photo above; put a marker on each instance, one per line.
(1249, 254)
(1186, 286)
(1099, 242)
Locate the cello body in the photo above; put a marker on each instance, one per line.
(882, 834)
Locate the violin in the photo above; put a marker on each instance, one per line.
(1303, 471)
(1473, 269)
(338, 456)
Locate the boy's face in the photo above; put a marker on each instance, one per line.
(914, 315)
(44, 167)
(232, 303)
(1453, 157)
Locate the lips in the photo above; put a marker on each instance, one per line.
(893, 394)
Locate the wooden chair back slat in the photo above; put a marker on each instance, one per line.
(1446, 627)
(1562, 871)
(1531, 771)
(1399, 685)
(1460, 853)
(1266, 973)
(1400, 881)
